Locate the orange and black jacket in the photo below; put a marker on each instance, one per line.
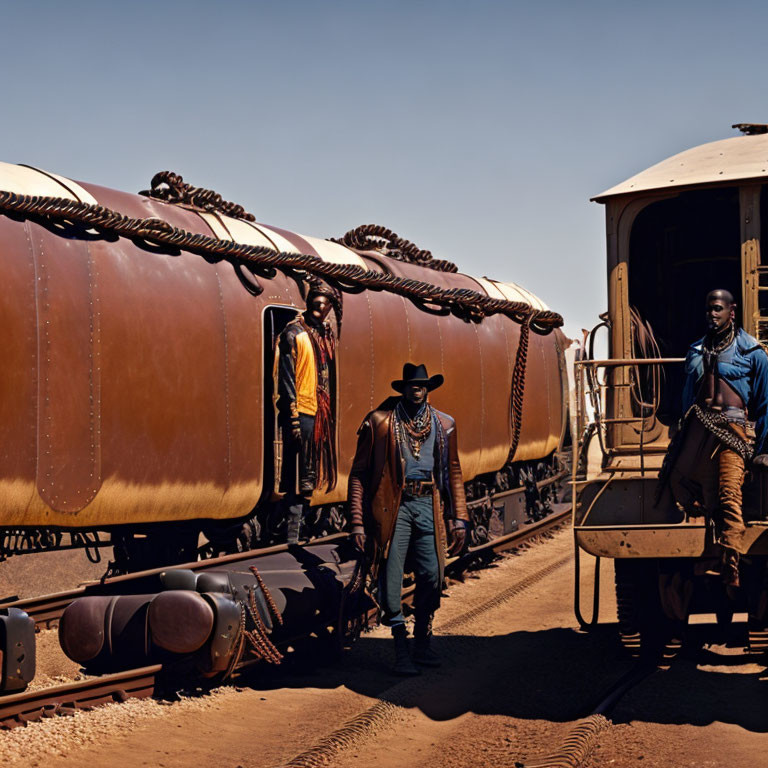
(297, 371)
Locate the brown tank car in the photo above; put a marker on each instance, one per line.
(677, 231)
(136, 374)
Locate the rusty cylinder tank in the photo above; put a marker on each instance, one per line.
(133, 380)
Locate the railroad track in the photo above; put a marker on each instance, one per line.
(46, 610)
(21, 708)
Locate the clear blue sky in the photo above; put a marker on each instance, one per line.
(478, 130)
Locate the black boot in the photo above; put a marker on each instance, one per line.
(403, 664)
(293, 518)
(424, 654)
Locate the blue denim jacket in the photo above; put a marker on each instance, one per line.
(744, 365)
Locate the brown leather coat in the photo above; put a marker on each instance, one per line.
(377, 477)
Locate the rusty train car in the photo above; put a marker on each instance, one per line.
(675, 231)
(135, 380)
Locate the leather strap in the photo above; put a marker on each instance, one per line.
(418, 488)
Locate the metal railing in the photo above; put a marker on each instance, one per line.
(590, 386)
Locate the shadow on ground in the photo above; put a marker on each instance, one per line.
(556, 675)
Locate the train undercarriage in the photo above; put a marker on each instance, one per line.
(499, 503)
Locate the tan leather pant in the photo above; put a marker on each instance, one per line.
(707, 478)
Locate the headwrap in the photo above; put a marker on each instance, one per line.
(318, 287)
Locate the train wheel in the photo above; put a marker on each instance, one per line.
(758, 638)
(757, 605)
(643, 628)
(628, 575)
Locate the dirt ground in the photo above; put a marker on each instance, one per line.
(41, 574)
(516, 677)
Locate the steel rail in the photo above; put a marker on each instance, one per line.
(619, 361)
(515, 538)
(494, 495)
(22, 708)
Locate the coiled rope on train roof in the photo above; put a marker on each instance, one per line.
(170, 187)
(376, 237)
(462, 302)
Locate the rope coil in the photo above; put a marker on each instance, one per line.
(171, 187)
(375, 237)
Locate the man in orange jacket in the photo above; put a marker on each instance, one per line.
(306, 349)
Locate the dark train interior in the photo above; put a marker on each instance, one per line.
(680, 249)
(275, 320)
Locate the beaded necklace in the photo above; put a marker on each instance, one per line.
(724, 344)
(414, 431)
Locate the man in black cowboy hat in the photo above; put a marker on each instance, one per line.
(303, 367)
(405, 489)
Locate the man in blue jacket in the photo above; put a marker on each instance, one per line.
(726, 387)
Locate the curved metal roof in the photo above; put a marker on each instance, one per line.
(26, 180)
(741, 157)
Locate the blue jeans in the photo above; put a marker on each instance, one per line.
(296, 501)
(415, 535)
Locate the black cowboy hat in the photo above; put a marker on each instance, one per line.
(417, 374)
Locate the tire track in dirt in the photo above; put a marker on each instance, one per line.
(391, 711)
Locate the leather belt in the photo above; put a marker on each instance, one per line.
(417, 488)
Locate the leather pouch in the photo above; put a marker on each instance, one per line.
(17, 649)
(226, 631)
(180, 621)
(179, 578)
(127, 630)
(82, 628)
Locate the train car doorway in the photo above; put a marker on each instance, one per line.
(275, 320)
(277, 453)
(679, 250)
